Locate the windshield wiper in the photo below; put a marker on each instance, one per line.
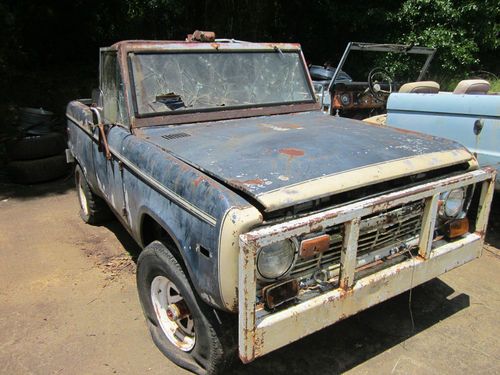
(277, 49)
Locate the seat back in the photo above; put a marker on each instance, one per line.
(421, 87)
(472, 86)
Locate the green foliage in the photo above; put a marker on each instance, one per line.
(495, 86)
(49, 49)
(461, 30)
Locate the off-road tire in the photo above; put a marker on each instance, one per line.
(38, 170)
(36, 146)
(93, 209)
(215, 346)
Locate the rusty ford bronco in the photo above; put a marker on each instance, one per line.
(262, 219)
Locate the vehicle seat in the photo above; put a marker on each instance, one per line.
(472, 86)
(377, 120)
(422, 87)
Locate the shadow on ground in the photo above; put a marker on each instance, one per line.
(9, 190)
(493, 232)
(353, 341)
(124, 237)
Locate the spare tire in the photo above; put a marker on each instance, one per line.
(36, 146)
(36, 121)
(38, 170)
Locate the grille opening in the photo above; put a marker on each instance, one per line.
(175, 136)
(377, 231)
(363, 193)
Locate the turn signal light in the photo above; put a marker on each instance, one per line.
(316, 245)
(457, 228)
(277, 294)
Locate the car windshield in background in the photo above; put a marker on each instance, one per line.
(401, 63)
(401, 67)
(178, 82)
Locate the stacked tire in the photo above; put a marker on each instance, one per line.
(38, 155)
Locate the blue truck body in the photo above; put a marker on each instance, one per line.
(472, 120)
(188, 183)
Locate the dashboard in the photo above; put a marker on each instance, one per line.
(355, 99)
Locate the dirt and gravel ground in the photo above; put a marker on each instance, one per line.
(68, 305)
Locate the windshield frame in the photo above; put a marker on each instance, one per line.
(385, 47)
(215, 109)
(136, 46)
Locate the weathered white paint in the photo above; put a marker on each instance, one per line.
(262, 332)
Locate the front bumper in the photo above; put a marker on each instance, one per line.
(261, 332)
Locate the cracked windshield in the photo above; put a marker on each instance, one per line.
(191, 81)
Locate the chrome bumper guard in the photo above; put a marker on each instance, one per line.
(261, 332)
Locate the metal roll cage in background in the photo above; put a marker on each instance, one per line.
(377, 47)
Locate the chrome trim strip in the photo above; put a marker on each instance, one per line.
(80, 125)
(166, 192)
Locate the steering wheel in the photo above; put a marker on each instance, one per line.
(376, 77)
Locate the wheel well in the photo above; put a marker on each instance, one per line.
(151, 231)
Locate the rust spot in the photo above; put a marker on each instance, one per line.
(255, 181)
(316, 228)
(291, 152)
(201, 36)
(198, 181)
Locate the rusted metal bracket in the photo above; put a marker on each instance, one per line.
(428, 225)
(103, 141)
(201, 36)
(487, 190)
(348, 254)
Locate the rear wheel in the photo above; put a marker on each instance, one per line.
(185, 329)
(93, 209)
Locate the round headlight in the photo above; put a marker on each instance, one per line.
(453, 203)
(276, 259)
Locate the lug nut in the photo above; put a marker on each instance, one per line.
(177, 311)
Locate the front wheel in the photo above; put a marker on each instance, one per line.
(186, 330)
